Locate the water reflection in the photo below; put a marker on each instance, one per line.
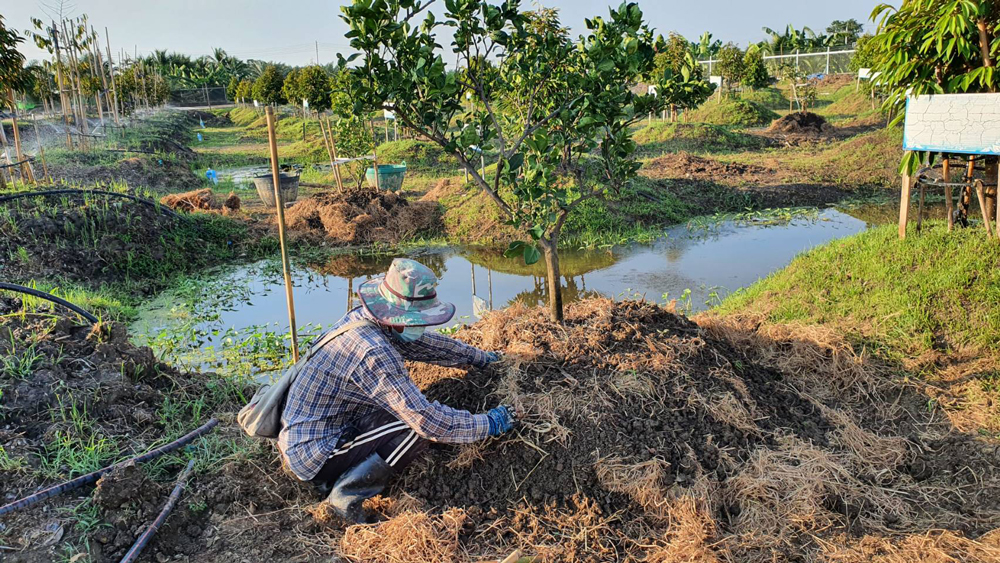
(709, 263)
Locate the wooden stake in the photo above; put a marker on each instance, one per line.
(981, 195)
(26, 171)
(998, 203)
(949, 204)
(331, 149)
(111, 71)
(63, 98)
(41, 151)
(904, 205)
(276, 176)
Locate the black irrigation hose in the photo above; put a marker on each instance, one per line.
(91, 477)
(136, 549)
(49, 297)
(155, 205)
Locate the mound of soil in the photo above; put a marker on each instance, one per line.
(633, 419)
(363, 216)
(686, 165)
(801, 123)
(100, 240)
(204, 200)
(643, 437)
(159, 175)
(90, 392)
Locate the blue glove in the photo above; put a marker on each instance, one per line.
(493, 357)
(501, 420)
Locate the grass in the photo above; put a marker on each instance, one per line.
(770, 98)
(932, 291)
(731, 111)
(662, 137)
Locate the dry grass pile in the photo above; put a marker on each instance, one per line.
(202, 200)
(363, 216)
(647, 437)
(409, 536)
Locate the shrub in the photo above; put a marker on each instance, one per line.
(267, 87)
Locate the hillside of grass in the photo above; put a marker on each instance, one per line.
(770, 98)
(932, 291)
(866, 160)
(850, 105)
(662, 137)
(731, 111)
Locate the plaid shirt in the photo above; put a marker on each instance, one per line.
(361, 372)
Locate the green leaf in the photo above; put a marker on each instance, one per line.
(514, 249)
(531, 255)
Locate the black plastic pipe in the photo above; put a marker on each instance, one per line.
(49, 297)
(92, 477)
(137, 547)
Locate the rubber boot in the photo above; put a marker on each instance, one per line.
(358, 483)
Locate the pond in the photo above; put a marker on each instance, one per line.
(698, 264)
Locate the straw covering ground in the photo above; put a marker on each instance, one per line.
(644, 437)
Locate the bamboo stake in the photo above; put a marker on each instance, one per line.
(63, 98)
(333, 148)
(78, 90)
(330, 151)
(41, 151)
(111, 71)
(26, 171)
(949, 204)
(276, 176)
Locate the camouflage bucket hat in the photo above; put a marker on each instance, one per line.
(406, 296)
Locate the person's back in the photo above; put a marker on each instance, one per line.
(353, 417)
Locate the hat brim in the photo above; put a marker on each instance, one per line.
(431, 312)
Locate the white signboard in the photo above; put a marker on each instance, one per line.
(255, 104)
(305, 103)
(717, 80)
(651, 90)
(956, 123)
(388, 114)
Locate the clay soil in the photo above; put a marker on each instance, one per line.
(644, 436)
(362, 216)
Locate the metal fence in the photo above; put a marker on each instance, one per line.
(215, 96)
(818, 62)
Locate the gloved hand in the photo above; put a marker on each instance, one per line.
(493, 357)
(502, 420)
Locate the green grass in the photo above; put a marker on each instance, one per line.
(731, 111)
(663, 137)
(770, 98)
(930, 291)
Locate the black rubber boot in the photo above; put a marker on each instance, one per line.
(363, 481)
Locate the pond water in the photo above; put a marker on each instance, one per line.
(698, 265)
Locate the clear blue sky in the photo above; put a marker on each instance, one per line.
(285, 31)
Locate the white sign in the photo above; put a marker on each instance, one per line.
(867, 74)
(388, 114)
(305, 103)
(255, 104)
(651, 90)
(956, 123)
(717, 80)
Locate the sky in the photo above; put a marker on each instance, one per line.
(287, 31)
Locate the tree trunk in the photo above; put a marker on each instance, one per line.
(984, 42)
(549, 249)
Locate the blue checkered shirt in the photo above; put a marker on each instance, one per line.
(362, 372)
